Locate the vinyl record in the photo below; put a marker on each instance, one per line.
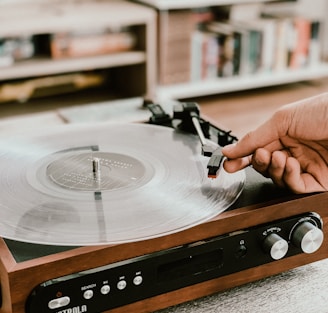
(106, 184)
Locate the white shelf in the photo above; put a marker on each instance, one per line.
(229, 84)
(33, 68)
(183, 4)
(59, 16)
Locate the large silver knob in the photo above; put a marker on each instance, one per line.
(308, 237)
(276, 246)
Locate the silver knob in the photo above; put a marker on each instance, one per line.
(276, 246)
(308, 237)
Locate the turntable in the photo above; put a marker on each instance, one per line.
(124, 218)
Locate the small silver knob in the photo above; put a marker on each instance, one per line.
(308, 237)
(276, 246)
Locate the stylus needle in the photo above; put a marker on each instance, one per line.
(214, 164)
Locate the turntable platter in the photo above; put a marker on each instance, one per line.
(107, 184)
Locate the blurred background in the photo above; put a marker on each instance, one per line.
(95, 60)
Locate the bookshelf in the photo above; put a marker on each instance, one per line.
(230, 84)
(133, 70)
(175, 74)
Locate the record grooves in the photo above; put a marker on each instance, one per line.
(106, 184)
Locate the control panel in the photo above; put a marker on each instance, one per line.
(113, 285)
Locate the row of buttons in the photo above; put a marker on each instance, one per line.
(89, 293)
(121, 285)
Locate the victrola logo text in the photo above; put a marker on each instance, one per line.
(76, 309)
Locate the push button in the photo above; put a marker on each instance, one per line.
(137, 280)
(121, 285)
(105, 289)
(58, 303)
(88, 294)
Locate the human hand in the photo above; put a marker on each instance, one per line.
(291, 147)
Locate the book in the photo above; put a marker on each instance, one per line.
(300, 51)
(299, 35)
(204, 56)
(261, 44)
(67, 45)
(315, 44)
(232, 41)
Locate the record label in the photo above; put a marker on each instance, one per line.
(96, 171)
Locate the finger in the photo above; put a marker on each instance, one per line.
(298, 181)
(259, 138)
(313, 161)
(277, 167)
(261, 161)
(292, 176)
(232, 166)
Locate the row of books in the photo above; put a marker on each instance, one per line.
(83, 44)
(223, 49)
(65, 45)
